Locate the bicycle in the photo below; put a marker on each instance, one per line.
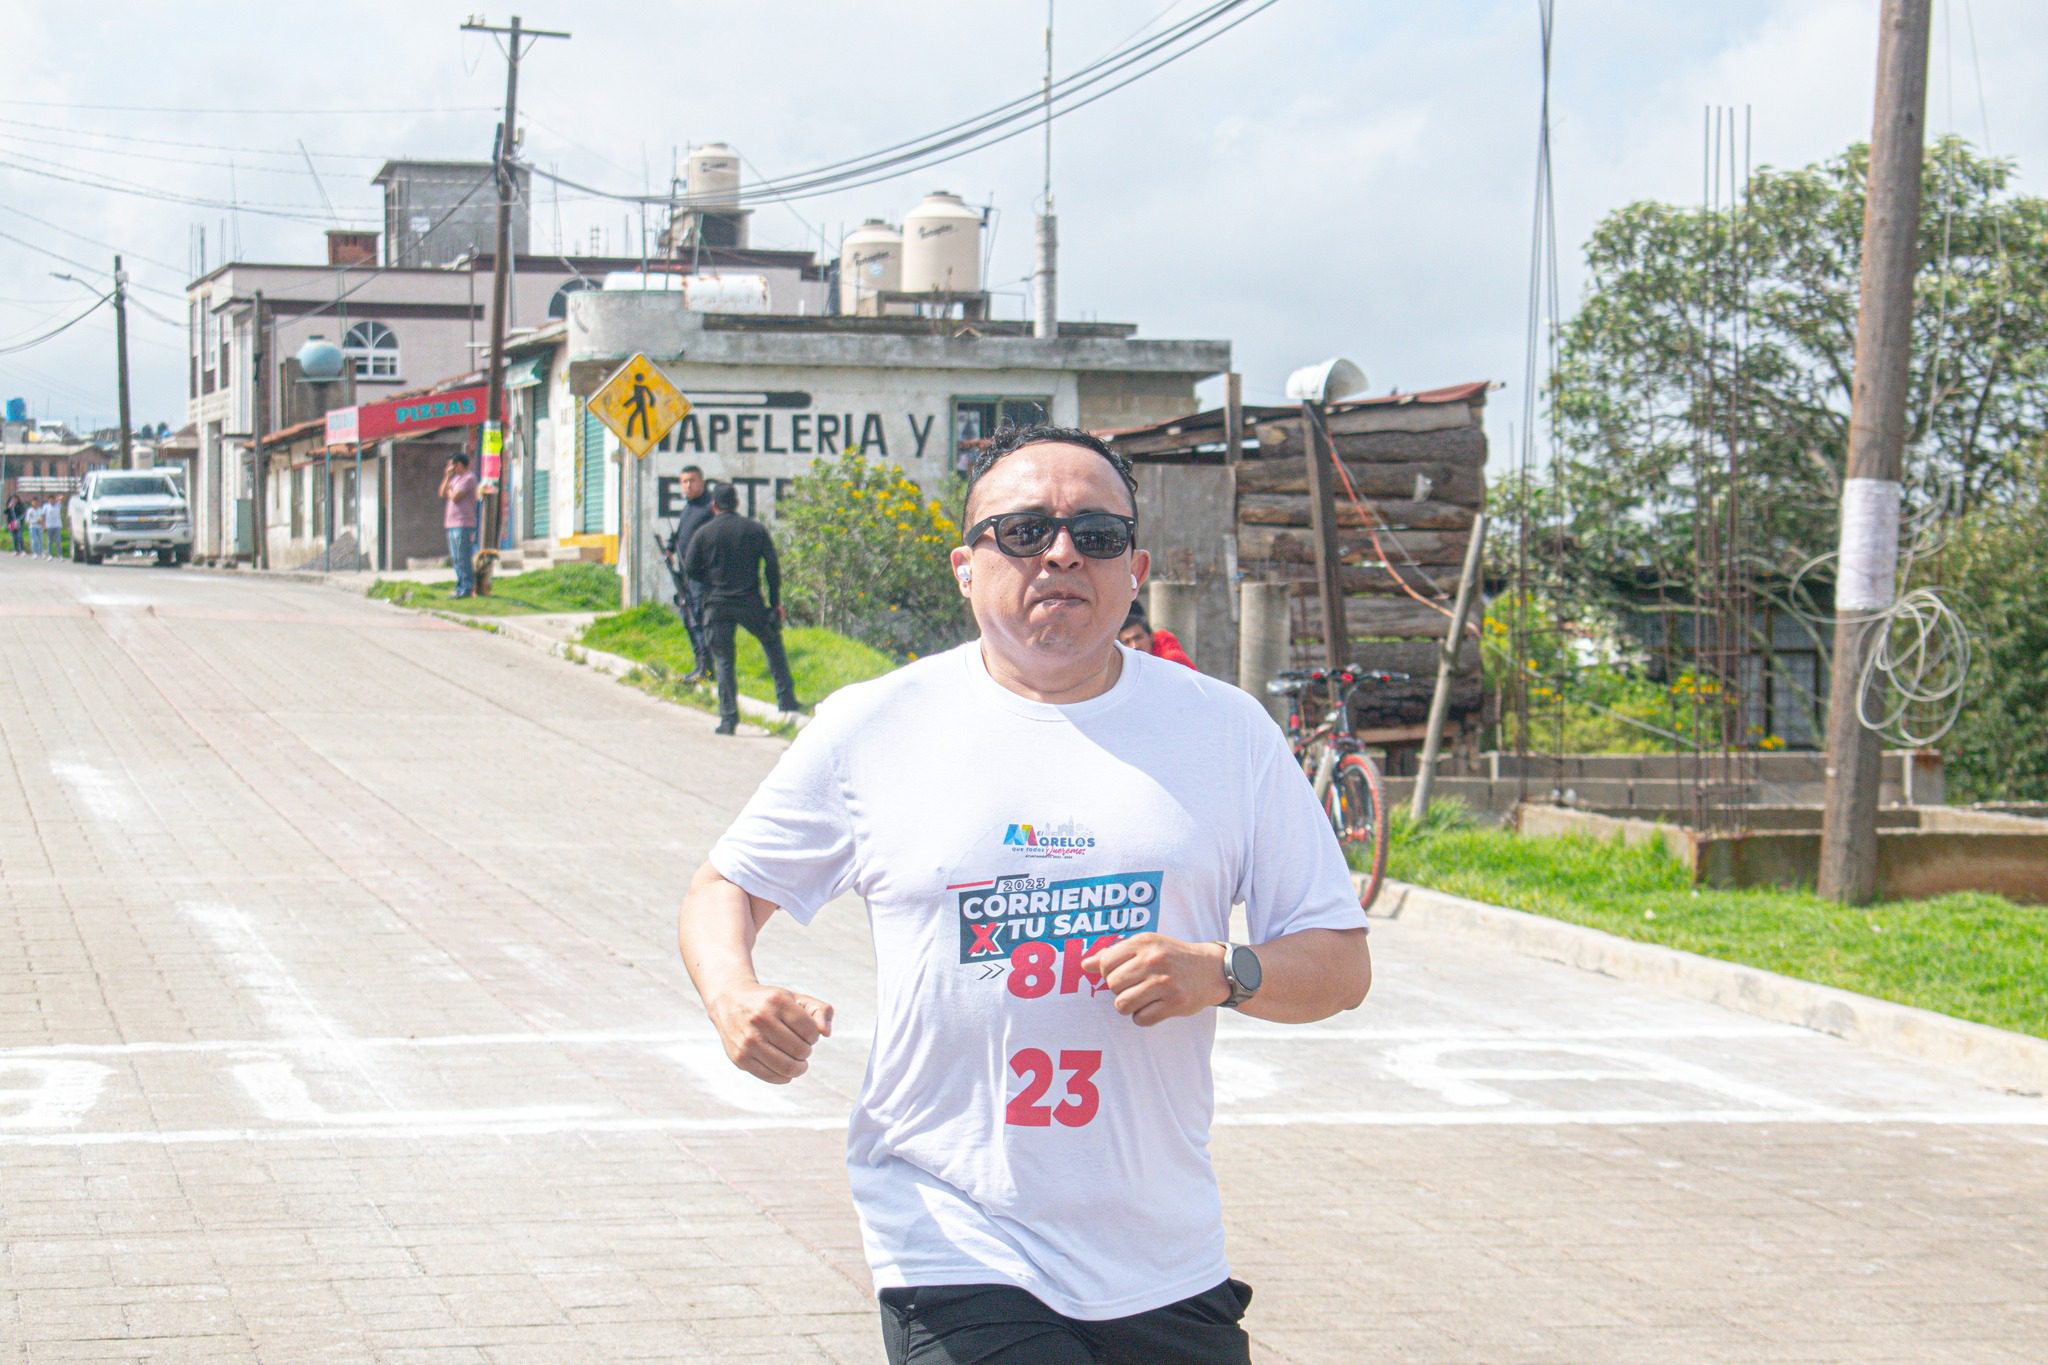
(1338, 764)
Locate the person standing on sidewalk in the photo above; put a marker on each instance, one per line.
(690, 592)
(1049, 831)
(35, 528)
(53, 526)
(17, 519)
(728, 555)
(459, 516)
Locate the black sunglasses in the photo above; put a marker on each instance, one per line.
(1098, 535)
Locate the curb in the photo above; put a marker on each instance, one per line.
(616, 665)
(2010, 1061)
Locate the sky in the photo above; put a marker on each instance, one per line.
(1332, 177)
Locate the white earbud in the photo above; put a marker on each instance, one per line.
(965, 576)
(1134, 582)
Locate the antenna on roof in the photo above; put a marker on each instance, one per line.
(316, 183)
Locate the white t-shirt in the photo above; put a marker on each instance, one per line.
(1013, 1127)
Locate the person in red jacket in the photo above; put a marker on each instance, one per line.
(1138, 634)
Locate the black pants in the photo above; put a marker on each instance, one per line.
(998, 1324)
(762, 625)
(689, 600)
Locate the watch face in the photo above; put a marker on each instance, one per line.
(1244, 965)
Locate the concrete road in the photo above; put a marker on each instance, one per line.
(340, 1020)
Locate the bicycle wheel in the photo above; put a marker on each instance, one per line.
(1358, 808)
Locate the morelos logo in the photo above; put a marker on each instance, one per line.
(427, 412)
(1054, 841)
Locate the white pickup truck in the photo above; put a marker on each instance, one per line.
(126, 511)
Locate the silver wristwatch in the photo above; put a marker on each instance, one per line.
(1241, 971)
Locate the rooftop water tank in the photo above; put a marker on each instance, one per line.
(942, 246)
(870, 260)
(725, 293)
(17, 409)
(320, 360)
(711, 176)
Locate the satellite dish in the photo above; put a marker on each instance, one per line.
(1329, 382)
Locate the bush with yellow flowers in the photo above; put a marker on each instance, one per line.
(864, 553)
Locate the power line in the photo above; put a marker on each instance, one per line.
(93, 241)
(58, 330)
(291, 152)
(302, 213)
(947, 143)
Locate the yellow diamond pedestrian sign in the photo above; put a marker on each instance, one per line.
(639, 404)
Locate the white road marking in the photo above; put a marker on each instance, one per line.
(105, 795)
(1227, 1039)
(1530, 1118)
(1240, 1079)
(1422, 1065)
(281, 1094)
(735, 1089)
(263, 977)
(49, 1093)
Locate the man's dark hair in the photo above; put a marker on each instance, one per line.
(725, 498)
(698, 470)
(1135, 617)
(459, 458)
(1011, 439)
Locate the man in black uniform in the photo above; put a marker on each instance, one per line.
(727, 556)
(689, 597)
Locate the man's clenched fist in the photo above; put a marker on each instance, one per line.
(1156, 977)
(768, 1031)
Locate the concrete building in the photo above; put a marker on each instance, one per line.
(772, 393)
(401, 327)
(437, 212)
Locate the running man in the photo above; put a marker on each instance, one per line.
(1049, 831)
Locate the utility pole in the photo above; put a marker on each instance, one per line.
(121, 359)
(1868, 565)
(259, 463)
(1045, 301)
(492, 454)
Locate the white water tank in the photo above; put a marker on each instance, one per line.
(942, 246)
(870, 260)
(711, 176)
(725, 293)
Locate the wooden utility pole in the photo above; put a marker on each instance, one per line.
(121, 359)
(1322, 521)
(1868, 567)
(1446, 667)
(491, 456)
(259, 462)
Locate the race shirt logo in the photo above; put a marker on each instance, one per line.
(1048, 841)
(997, 915)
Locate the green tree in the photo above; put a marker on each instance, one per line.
(1709, 331)
(864, 554)
(1997, 560)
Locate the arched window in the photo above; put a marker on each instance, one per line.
(558, 306)
(374, 349)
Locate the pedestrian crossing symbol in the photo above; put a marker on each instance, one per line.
(639, 405)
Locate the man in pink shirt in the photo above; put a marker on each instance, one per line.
(458, 496)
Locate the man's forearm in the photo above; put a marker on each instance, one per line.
(716, 932)
(1309, 975)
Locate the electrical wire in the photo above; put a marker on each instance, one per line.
(282, 152)
(299, 213)
(59, 330)
(341, 110)
(957, 140)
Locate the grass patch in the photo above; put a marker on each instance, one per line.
(820, 661)
(566, 587)
(1973, 956)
